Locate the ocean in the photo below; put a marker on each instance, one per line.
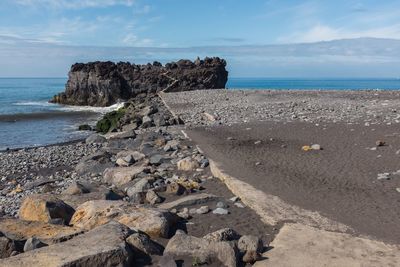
(27, 119)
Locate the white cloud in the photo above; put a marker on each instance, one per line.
(132, 40)
(75, 4)
(326, 33)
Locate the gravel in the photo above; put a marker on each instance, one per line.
(35, 170)
(238, 106)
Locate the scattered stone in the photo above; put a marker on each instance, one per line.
(252, 247)
(142, 244)
(153, 222)
(138, 198)
(384, 176)
(221, 204)
(45, 208)
(171, 145)
(203, 210)
(220, 211)
(140, 186)
(33, 243)
(380, 143)
(125, 161)
(184, 213)
(76, 188)
(182, 244)
(316, 147)
(257, 142)
(156, 159)
(209, 117)
(225, 234)
(187, 164)
(175, 188)
(121, 175)
(152, 197)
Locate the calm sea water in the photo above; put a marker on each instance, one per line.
(314, 84)
(27, 119)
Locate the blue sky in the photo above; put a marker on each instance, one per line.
(250, 34)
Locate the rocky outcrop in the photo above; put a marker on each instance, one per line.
(104, 83)
(103, 246)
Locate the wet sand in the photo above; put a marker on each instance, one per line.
(339, 181)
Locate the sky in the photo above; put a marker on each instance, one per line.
(268, 38)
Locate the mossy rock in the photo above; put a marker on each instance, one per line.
(110, 121)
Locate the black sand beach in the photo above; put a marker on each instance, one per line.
(339, 181)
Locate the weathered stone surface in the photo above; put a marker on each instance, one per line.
(100, 193)
(300, 245)
(104, 246)
(33, 243)
(121, 175)
(49, 233)
(152, 197)
(140, 186)
(154, 222)
(105, 83)
(175, 188)
(142, 244)
(189, 200)
(7, 246)
(187, 164)
(225, 234)
(76, 188)
(45, 208)
(252, 247)
(182, 244)
(137, 156)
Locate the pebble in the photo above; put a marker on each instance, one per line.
(316, 147)
(221, 204)
(203, 210)
(220, 211)
(383, 176)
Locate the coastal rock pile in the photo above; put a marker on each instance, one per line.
(105, 83)
(140, 195)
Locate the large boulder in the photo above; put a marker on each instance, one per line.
(121, 175)
(45, 208)
(204, 250)
(48, 233)
(104, 246)
(153, 222)
(105, 83)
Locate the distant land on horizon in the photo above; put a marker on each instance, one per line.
(351, 58)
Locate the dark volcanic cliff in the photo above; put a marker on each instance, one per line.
(104, 83)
